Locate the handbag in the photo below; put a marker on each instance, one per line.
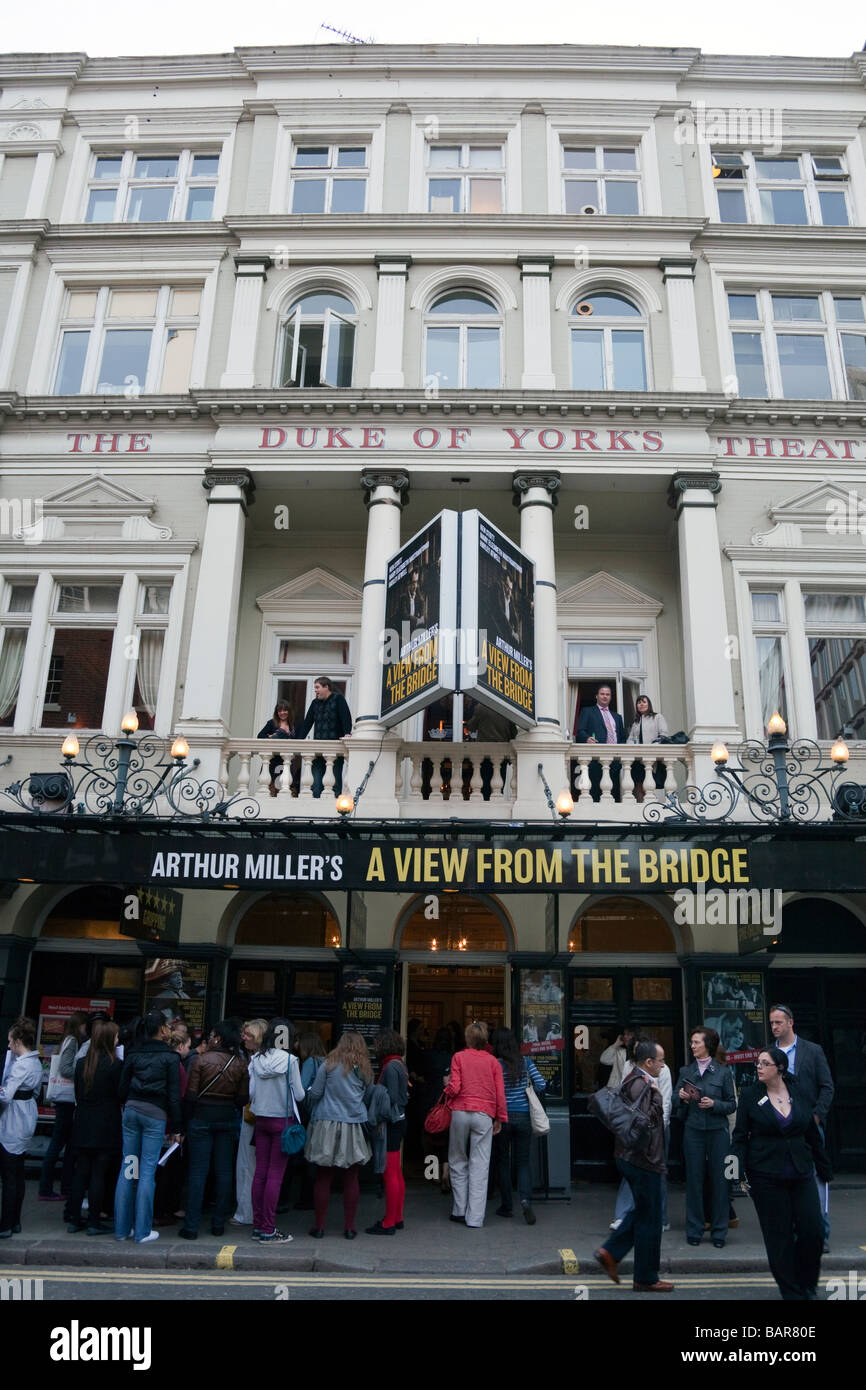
(538, 1121)
(60, 1088)
(439, 1118)
(294, 1136)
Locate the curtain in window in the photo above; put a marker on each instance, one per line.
(572, 712)
(149, 667)
(765, 608)
(11, 661)
(770, 679)
(834, 608)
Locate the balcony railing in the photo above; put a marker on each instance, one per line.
(307, 784)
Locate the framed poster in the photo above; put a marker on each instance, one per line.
(418, 645)
(541, 1030)
(178, 988)
(733, 1004)
(497, 608)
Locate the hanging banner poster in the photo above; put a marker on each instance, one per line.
(151, 914)
(363, 1007)
(497, 609)
(419, 640)
(542, 993)
(734, 1006)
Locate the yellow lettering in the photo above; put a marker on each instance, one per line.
(621, 866)
(741, 865)
(502, 865)
(721, 866)
(430, 874)
(375, 867)
(649, 869)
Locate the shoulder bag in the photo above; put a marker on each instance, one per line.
(439, 1118)
(294, 1136)
(538, 1120)
(60, 1088)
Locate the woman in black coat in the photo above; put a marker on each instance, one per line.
(282, 725)
(96, 1132)
(704, 1098)
(777, 1144)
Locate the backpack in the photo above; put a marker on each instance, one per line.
(629, 1124)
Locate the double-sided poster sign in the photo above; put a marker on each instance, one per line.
(497, 610)
(418, 648)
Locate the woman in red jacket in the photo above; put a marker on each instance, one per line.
(478, 1111)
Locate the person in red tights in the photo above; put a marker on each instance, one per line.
(390, 1049)
(336, 1137)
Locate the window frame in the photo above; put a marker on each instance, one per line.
(609, 324)
(828, 327)
(127, 181)
(327, 319)
(302, 670)
(810, 182)
(463, 322)
(160, 325)
(600, 175)
(330, 172)
(464, 173)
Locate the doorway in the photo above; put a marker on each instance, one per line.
(441, 994)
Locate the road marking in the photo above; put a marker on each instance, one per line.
(569, 1262)
(309, 1279)
(226, 1257)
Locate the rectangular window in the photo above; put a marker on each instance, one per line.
(454, 183)
(792, 190)
(792, 345)
(329, 178)
(127, 342)
(176, 187)
(836, 631)
(600, 179)
(77, 678)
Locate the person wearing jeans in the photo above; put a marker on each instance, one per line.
(625, 1197)
(217, 1090)
(272, 1070)
(516, 1136)
(478, 1111)
(150, 1092)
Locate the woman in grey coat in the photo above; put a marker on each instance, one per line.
(648, 727)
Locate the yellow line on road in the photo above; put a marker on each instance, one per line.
(226, 1257)
(367, 1279)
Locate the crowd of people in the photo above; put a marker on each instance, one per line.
(156, 1121)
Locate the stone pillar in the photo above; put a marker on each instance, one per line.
(250, 275)
(393, 272)
(211, 656)
(37, 198)
(537, 348)
(679, 279)
(706, 650)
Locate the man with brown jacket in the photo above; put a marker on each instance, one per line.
(643, 1169)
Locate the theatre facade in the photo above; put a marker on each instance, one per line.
(255, 341)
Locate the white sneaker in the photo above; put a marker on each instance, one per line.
(615, 1225)
(154, 1235)
(666, 1226)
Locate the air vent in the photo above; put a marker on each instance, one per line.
(584, 309)
(588, 210)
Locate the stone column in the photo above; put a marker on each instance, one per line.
(679, 279)
(706, 650)
(211, 656)
(393, 273)
(250, 275)
(537, 348)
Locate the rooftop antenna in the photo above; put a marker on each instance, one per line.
(343, 34)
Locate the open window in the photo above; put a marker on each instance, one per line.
(319, 342)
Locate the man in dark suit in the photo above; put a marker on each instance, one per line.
(598, 723)
(807, 1062)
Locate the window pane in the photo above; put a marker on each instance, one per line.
(611, 306)
(834, 209)
(81, 305)
(848, 310)
(827, 164)
(854, 353)
(803, 360)
(20, 598)
(791, 308)
(185, 303)
(318, 303)
(205, 166)
(620, 159)
(354, 158)
(629, 366)
(151, 167)
(620, 196)
(482, 358)
(100, 205)
(88, 598)
(839, 684)
(749, 364)
(133, 304)
(107, 168)
(444, 195)
(580, 193)
(124, 361)
(11, 662)
(784, 205)
(156, 598)
(179, 346)
(587, 359)
(485, 157)
(834, 608)
(771, 680)
(778, 168)
(309, 195)
(732, 205)
(199, 204)
(312, 157)
(444, 157)
(462, 302)
(442, 355)
(347, 195)
(70, 369)
(78, 674)
(743, 306)
(341, 343)
(485, 195)
(149, 204)
(766, 608)
(579, 159)
(147, 673)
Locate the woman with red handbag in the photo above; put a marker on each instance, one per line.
(476, 1093)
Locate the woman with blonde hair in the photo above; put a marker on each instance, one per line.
(251, 1036)
(336, 1138)
(476, 1091)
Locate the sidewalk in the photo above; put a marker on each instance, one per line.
(431, 1243)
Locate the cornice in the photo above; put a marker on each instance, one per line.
(448, 225)
(24, 68)
(184, 68)
(103, 124)
(757, 69)
(547, 58)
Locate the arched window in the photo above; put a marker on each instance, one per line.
(93, 913)
(624, 925)
(318, 341)
(463, 348)
(288, 919)
(464, 924)
(608, 344)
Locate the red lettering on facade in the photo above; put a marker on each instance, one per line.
(76, 445)
(273, 437)
(101, 439)
(336, 439)
(821, 444)
(792, 448)
(373, 437)
(559, 439)
(618, 441)
(302, 442)
(419, 442)
(729, 440)
(517, 436)
(652, 442)
(848, 446)
(139, 443)
(458, 435)
(754, 448)
(589, 436)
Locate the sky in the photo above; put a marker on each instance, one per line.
(103, 28)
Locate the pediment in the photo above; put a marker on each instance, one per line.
(603, 591)
(824, 513)
(96, 494)
(316, 586)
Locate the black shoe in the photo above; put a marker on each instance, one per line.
(16, 1231)
(398, 1226)
(458, 1220)
(504, 1211)
(74, 1227)
(379, 1230)
(528, 1215)
(317, 1233)
(350, 1235)
(693, 1242)
(719, 1244)
(187, 1235)
(217, 1230)
(101, 1230)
